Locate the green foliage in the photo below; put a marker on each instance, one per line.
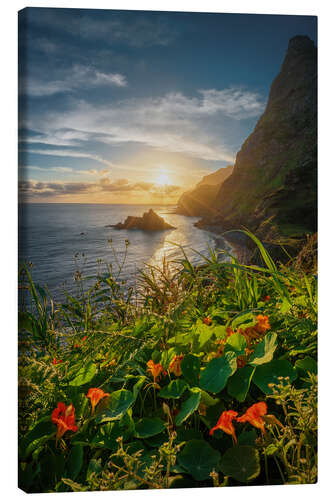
(199, 459)
(239, 383)
(264, 351)
(272, 373)
(152, 429)
(189, 405)
(148, 427)
(119, 402)
(214, 377)
(173, 390)
(241, 463)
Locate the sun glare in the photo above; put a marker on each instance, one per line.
(163, 179)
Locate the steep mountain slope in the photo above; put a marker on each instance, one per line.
(198, 201)
(273, 187)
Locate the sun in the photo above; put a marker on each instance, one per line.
(163, 179)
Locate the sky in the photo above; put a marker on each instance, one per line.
(135, 106)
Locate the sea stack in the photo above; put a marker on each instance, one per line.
(150, 221)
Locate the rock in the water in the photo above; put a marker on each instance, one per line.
(150, 221)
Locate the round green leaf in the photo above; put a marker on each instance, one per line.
(147, 427)
(241, 463)
(214, 377)
(202, 334)
(173, 390)
(119, 402)
(74, 461)
(84, 375)
(198, 458)
(108, 433)
(263, 352)
(189, 406)
(307, 364)
(239, 383)
(190, 367)
(268, 374)
(237, 343)
(44, 427)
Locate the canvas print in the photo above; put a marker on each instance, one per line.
(167, 250)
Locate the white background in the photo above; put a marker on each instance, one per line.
(8, 246)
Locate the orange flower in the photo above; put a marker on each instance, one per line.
(267, 298)
(56, 361)
(225, 424)
(95, 396)
(174, 366)
(254, 415)
(155, 369)
(241, 361)
(77, 346)
(207, 320)
(84, 338)
(262, 323)
(64, 417)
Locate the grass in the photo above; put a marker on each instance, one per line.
(170, 361)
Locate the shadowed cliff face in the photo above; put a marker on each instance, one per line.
(273, 187)
(199, 200)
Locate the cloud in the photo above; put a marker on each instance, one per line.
(66, 170)
(195, 126)
(29, 190)
(67, 153)
(77, 77)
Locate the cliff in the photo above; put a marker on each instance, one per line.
(273, 186)
(199, 200)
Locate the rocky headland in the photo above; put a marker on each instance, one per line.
(272, 189)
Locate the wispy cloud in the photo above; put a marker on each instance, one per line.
(66, 170)
(67, 153)
(76, 78)
(174, 122)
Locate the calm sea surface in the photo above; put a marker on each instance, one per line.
(51, 234)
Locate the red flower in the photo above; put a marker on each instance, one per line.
(56, 361)
(77, 346)
(84, 338)
(174, 366)
(207, 320)
(254, 415)
(267, 298)
(225, 424)
(95, 396)
(64, 417)
(262, 324)
(155, 369)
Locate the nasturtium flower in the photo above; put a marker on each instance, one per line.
(95, 396)
(56, 361)
(174, 366)
(262, 323)
(156, 369)
(64, 417)
(207, 320)
(254, 415)
(225, 424)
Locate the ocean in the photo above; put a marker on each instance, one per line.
(59, 239)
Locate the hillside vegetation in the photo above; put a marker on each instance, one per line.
(272, 189)
(201, 377)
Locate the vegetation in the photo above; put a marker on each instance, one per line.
(201, 377)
